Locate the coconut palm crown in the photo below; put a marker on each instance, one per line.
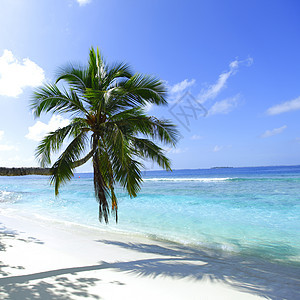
(108, 123)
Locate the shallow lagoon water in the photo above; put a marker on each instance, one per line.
(250, 211)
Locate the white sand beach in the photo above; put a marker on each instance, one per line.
(42, 259)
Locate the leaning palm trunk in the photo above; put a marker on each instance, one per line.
(100, 187)
(101, 191)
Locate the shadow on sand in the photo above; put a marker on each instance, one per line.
(23, 287)
(258, 277)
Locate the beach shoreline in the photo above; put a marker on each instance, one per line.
(58, 260)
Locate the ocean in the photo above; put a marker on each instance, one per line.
(246, 211)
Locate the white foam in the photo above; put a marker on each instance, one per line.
(188, 179)
(6, 196)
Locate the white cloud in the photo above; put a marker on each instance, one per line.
(217, 148)
(196, 137)
(16, 75)
(181, 86)
(284, 107)
(148, 107)
(40, 129)
(224, 107)
(83, 2)
(17, 161)
(213, 90)
(7, 148)
(178, 150)
(177, 90)
(274, 131)
(172, 150)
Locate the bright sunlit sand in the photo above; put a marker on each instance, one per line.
(55, 260)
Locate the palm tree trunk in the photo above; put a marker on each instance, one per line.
(100, 187)
(40, 171)
(100, 190)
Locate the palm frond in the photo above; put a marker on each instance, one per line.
(148, 150)
(49, 98)
(142, 89)
(115, 72)
(128, 174)
(76, 77)
(164, 131)
(125, 169)
(62, 169)
(53, 141)
(97, 69)
(96, 99)
(139, 123)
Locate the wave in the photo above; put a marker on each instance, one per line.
(9, 197)
(266, 179)
(188, 179)
(217, 179)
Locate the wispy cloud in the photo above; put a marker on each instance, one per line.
(178, 150)
(284, 107)
(183, 99)
(7, 147)
(181, 86)
(196, 137)
(40, 129)
(213, 90)
(16, 75)
(17, 161)
(179, 89)
(83, 2)
(224, 106)
(274, 131)
(217, 148)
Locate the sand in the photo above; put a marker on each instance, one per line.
(43, 259)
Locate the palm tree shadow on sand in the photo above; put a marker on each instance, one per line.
(258, 277)
(255, 276)
(22, 287)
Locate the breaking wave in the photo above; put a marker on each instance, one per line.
(217, 179)
(188, 179)
(9, 197)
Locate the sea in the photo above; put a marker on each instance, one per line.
(246, 211)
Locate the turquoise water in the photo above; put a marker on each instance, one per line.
(250, 211)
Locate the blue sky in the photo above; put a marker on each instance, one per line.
(238, 62)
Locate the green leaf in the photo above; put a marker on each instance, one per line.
(62, 169)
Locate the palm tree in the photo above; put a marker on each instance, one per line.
(109, 124)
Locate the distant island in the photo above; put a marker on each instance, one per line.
(222, 167)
